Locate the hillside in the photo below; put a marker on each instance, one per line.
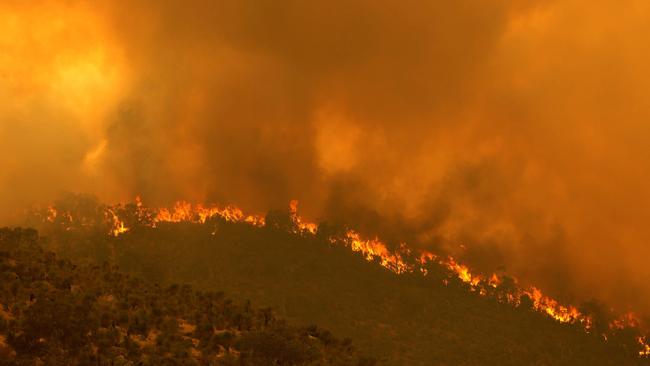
(55, 313)
(406, 319)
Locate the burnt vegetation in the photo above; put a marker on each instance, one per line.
(406, 319)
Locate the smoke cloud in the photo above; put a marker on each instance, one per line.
(511, 134)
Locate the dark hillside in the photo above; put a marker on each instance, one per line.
(55, 313)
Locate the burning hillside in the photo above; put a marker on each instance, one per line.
(119, 219)
(451, 142)
(514, 128)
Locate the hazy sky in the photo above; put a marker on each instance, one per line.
(517, 129)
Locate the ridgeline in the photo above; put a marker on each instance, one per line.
(405, 319)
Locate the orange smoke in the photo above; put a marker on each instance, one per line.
(61, 75)
(515, 128)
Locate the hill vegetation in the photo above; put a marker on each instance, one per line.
(53, 313)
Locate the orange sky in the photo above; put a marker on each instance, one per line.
(518, 129)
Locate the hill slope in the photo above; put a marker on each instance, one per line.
(407, 319)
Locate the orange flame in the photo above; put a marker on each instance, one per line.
(118, 225)
(186, 212)
(51, 214)
(374, 249)
(302, 226)
(645, 350)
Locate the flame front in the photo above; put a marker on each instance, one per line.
(372, 249)
(186, 212)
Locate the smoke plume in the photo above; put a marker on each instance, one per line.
(511, 134)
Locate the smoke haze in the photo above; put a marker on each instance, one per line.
(511, 134)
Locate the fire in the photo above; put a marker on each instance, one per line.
(462, 272)
(561, 313)
(186, 212)
(401, 260)
(625, 321)
(494, 280)
(645, 351)
(118, 225)
(374, 249)
(51, 214)
(302, 226)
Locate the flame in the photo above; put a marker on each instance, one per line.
(463, 272)
(374, 249)
(51, 214)
(118, 225)
(645, 348)
(186, 212)
(494, 280)
(561, 313)
(309, 227)
(628, 320)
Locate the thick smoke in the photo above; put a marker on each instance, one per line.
(511, 134)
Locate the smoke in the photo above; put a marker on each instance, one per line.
(511, 134)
